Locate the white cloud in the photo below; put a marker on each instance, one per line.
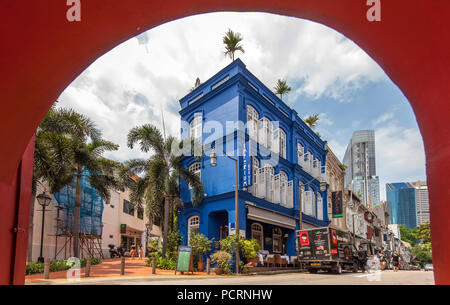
(400, 155)
(383, 118)
(130, 85)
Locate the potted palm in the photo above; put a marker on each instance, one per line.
(200, 244)
(221, 258)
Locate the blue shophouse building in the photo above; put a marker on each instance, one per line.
(276, 151)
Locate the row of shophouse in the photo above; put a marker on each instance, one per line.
(280, 163)
(279, 159)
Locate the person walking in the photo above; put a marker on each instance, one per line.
(382, 257)
(395, 261)
(362, 258)
(133, 251)
(141, 252)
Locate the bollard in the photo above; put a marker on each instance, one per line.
(87, 272)
(122, 266)
(47, 269)
(153, 265)
(208, 269)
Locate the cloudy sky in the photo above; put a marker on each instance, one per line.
(330, 75)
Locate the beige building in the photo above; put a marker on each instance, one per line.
(335, 178)
(123, 225)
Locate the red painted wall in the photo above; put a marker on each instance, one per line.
(42, 53)
(14, 220)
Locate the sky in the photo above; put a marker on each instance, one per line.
(330, 75)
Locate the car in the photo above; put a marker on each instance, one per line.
(414, 267)
(428, 267)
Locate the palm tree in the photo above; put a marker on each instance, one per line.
(282, 88)
(158, 188)
(232, 44)
(312, 120)
(67, 146)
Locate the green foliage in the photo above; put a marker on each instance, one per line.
(158, 188)
(312, 120)
(232, 42)
(200, 243)
(174, 239)
(250, 248)
(221, 258)
(229, 243)
(167, 263)
(423, 232)
(57, 265)
(408, 235)
(282, 88)
(343, 167)
(422, 252)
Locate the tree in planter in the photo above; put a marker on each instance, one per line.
(221, 258)
(250, 249)
(201, 244)
(158, 188)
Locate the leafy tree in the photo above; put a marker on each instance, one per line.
(282, 88)
(67, 145)
(408, 235)
(423, 232)
(158, 187)
(232, 42)
(312, 120)
(422, 252)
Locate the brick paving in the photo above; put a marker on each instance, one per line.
(111, 268)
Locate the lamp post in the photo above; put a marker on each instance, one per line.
(44, 200)
(213, 162)
(323, 187)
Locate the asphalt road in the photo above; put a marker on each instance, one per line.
(377, 278)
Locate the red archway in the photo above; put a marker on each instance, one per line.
(42, 53)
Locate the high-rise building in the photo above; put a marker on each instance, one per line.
(422, 204)
(361, 176)
(402, 197)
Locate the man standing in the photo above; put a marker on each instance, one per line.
(362, 258)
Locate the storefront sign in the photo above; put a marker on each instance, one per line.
(123, 228)
(247, 166)
(336, 204)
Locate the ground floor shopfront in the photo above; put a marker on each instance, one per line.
(273, 226)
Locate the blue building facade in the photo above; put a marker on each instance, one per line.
(234, 112)
(402, 198)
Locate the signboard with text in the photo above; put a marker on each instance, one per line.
(336, 204)
(247, 166)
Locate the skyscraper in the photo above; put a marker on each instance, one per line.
(360, 175)
(402, 196)
(422, 205)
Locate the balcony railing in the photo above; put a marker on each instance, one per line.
(273, 188)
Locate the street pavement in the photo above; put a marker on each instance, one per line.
(376, 278)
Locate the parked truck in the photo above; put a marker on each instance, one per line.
(328, 249)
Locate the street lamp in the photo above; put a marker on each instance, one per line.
(213, 162)
(323, 187)
(44, 200)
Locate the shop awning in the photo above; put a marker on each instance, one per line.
(268, 216)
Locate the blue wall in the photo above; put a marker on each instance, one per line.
(228, 102)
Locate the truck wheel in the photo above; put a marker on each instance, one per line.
(338, 269)
(312, 270)
(355, 268)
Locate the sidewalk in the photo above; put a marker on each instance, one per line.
(110, 268)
